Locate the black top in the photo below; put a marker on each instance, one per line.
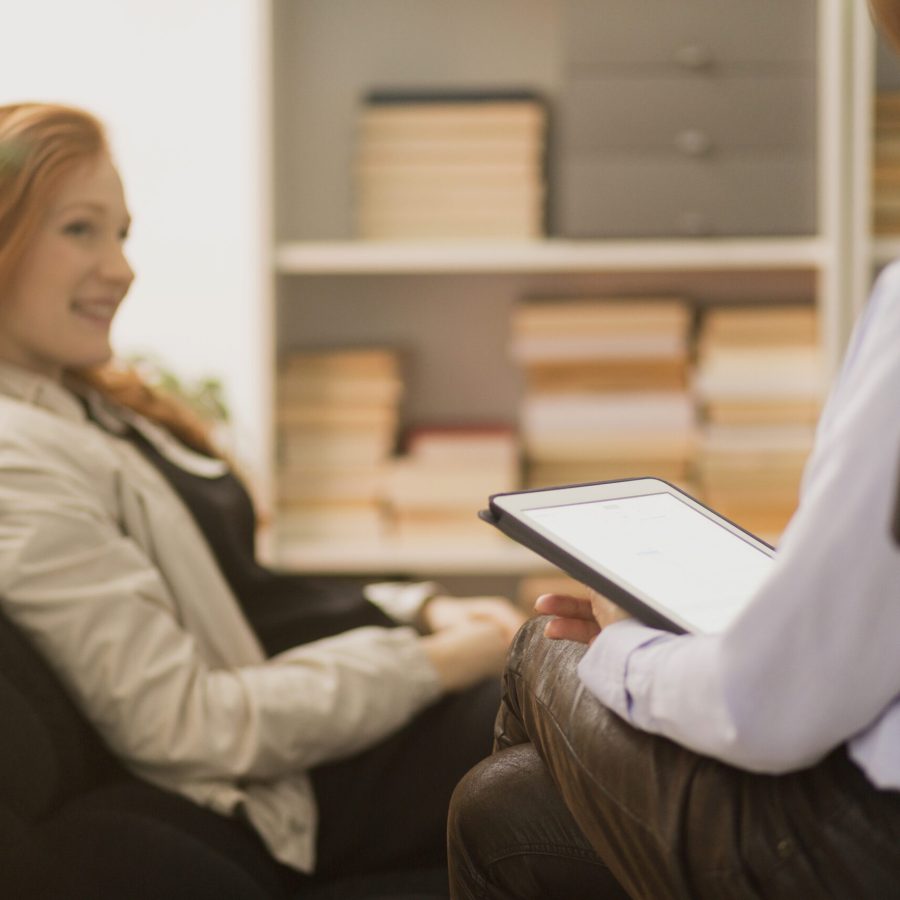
(284, 609)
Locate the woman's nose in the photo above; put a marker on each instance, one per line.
(116, 266)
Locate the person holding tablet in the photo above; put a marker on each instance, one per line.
(758, 761)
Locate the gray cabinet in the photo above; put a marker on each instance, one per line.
(690, 34)
(686, 118)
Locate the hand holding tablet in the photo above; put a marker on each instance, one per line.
(649, 547)
(577, 618)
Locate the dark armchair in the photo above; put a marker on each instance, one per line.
(74, 825)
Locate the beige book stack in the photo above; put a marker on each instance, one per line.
(337, 418)
(435, 490)
(606, 391)
(759, 381)
(462, 166)
(886, 171)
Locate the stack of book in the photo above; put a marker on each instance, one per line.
(886, 172)
(606, 391)
(759, 381)
(337, 418)
(450, 166)
(446, 476)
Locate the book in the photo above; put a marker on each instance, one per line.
(323, 483)
(450, 165)
(614, 314)
(591, 446)
(606, 388)
(322, 414)
(555, 472)
(463, 443)
(337, 414)
(759, 383)
(624, 374)
(768, 411)
(769, 325)
(580, 347)
(448, 471)
(360, 361)
(431, 224)
(329, 522)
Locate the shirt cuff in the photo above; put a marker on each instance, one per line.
(604, 668)
(402, 601)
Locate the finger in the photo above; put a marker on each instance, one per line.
(564, 605)
(571, 630)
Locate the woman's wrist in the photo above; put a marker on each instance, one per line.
(466, 654)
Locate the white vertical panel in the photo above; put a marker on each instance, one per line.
(181, 87)
(835, 35)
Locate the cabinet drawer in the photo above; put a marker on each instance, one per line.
(665, 197)
(690, 33)
(694, 116)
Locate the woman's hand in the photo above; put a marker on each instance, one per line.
(470, 638)
(578, 618)
(447, 612)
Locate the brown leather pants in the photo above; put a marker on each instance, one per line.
(575, 803)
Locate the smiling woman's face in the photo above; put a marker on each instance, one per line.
(61, 302)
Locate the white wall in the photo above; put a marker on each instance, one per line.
(179, 84)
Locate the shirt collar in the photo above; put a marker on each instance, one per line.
(69, 401)
(40, 391)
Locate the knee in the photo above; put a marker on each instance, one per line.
(531, 650)
(492, 799)
(527, 639)
(511, 835)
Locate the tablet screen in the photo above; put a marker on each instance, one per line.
(695, 569)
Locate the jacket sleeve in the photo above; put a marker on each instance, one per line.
(101, 614)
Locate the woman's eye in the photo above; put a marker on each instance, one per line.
(79, 228)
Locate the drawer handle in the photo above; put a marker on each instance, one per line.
(694, 56)
(693, 142)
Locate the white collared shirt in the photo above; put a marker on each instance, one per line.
(814, 661)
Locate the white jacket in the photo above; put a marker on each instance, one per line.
(104, 568)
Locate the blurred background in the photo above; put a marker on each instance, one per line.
(423, 251)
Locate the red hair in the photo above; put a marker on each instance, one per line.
(886, 14)
(40, 145)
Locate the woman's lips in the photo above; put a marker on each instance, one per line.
(99, 311)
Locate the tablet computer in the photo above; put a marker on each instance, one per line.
(654, 550)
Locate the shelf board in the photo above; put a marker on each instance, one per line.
(428, 558)
(412, 257)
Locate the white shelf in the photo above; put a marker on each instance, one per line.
(411, 257)
(428, 558)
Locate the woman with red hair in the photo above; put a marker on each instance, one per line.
(297, 708)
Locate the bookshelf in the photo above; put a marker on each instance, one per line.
(491, 557)
(551, 255)
(446, 304)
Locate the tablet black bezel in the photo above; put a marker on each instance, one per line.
(525, 534)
